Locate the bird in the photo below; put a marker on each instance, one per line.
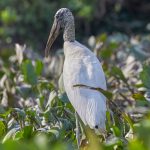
(81, 67)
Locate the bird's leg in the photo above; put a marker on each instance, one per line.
(77, 130)
(80, 132)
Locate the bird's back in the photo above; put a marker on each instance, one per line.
(82, 67)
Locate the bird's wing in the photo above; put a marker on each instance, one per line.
(86, 69)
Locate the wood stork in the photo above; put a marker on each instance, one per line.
(81, 66)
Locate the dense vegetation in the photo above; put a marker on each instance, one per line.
(35, 112)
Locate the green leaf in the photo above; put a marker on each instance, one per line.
(102, 37)
(63, 97)
(27, 132)
(4, 114)
(29, 72)
(138, 96)
(145, 76)
(18, 135)
(136, 145)
(40, 102)
(128, 120)
(38, 67)
(112, 142)
(9, 135)
(142, 132)
(55, 132)
(113, 45)
(141, 103)
(24, 90)
(85, 11)
(106, 53)
(8, 16)
(2, 128)
(52, 96)
(117, 72)
(116, 131)
(109, 121)
(107, 94)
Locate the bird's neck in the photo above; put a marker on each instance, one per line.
(69, 32)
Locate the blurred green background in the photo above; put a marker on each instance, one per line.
(29, 21)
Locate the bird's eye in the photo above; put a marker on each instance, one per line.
(96, 126)
(56, 16)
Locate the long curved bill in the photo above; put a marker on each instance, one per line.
(52, 36)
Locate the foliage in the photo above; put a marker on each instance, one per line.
(35, 112)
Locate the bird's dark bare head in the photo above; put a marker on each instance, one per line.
(64, 16)
(63, 19)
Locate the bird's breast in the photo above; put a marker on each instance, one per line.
(82, 67)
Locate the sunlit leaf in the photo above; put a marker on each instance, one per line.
(19, 52)
(8, 15)
(9, 135)
(2, 128)
(138, 96)
(18, 135)
(52, 96)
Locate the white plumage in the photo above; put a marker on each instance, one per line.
(81, 66)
